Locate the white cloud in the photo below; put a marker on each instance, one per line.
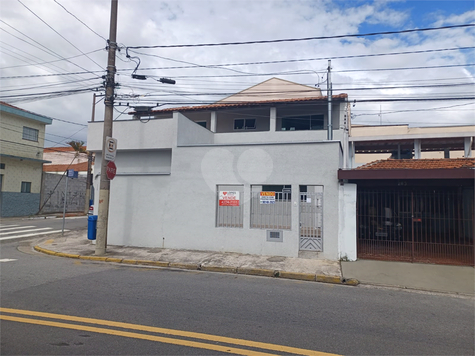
(182, 22)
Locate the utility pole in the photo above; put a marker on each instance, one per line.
(103, 213)
(89, 163)
(329, 95)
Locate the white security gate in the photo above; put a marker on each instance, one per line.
(311, 219)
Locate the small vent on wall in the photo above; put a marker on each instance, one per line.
(275, 235)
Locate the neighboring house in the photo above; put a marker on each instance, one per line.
(54, 180)
(63, 158)
(415, 210)
(254, 173)
(370, 143)
(21, 159)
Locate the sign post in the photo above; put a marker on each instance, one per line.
(71, 174)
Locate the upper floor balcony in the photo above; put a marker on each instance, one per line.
(278, 121)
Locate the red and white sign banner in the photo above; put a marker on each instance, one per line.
(228, 198)
(267, 198)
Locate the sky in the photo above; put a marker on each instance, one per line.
(53, 56)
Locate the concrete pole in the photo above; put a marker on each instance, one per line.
(104, 190)
(329, 94)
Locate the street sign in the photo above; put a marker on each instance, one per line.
(72, 173)
(111, 148)
(111, 170)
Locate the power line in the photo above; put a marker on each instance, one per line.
(412, 110)
(105, 39)
(303, 59)
(44, 49)
(305, 38)
(64, 38)
(49, 62)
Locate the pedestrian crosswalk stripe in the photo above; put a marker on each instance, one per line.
(2, 226)
(14, 228)
(23, 231)
(7, 259)
(32, 234)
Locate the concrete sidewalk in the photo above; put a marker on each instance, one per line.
(427, 277)
(421, 276)
(75, 244)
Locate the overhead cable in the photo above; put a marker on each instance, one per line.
(306, 38)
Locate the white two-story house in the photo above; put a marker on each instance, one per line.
(254, 173)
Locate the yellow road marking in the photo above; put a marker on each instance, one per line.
(166, 340)
(208, 337)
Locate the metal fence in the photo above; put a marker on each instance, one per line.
(417, 225)
(276, 215)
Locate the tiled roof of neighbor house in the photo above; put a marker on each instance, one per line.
(442, 163)
(59, 149)
(246, 104)
(80, 167)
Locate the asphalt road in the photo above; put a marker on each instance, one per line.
(305, 315)
(25, 228)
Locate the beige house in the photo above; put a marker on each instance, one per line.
(21, 160)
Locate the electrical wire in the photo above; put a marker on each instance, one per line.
(105, 39)
(307, 59)
(304, 38)
(64, 38)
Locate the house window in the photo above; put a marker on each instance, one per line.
(26, 187)
(271, 207)
(30, 134)
(244, 124)
(201, 123)
(2, 165)
(301, 123)
(229, 207)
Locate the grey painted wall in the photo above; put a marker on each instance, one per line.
(19, 204)
(75, 196)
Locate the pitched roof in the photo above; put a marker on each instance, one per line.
(59, 149)
(24, 113)
(80, 167)
(339, 97)
(422, 169)
(272, 89)
(435, 163)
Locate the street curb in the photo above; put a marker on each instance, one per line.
(257, 272)
(219, 269)
(184, 265)
(297, 275)
(310, 277)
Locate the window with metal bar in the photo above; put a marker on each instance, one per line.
(30, 134)
(271, 207)
(229, 209)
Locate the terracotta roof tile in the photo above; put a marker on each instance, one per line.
(245, 104)
(81, 167)
(436, 163)
(59, 149)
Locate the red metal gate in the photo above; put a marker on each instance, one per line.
(433, 225)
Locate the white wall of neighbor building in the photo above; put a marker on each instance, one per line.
(347, 222)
